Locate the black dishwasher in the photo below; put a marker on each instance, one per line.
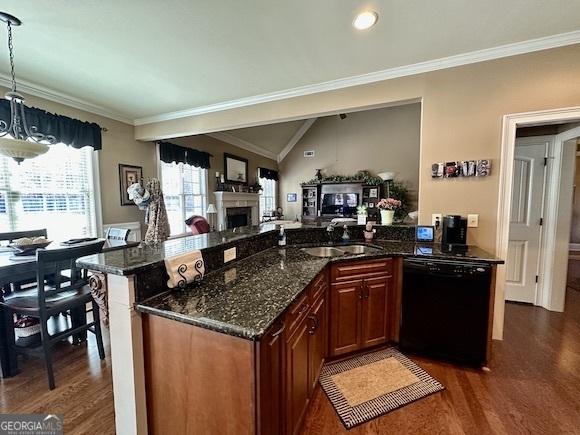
(445, 306)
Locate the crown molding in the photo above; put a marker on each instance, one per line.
(487, 54)
(296, 138)
(240, 143)
(61, 98)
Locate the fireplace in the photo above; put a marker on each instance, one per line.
(231, 204)
(238, 217)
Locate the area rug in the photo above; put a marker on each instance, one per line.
(366, 386)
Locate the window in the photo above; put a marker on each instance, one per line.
(185, 192)
(268, 196)
(53, 191)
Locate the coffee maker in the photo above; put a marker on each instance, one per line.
(454, 235)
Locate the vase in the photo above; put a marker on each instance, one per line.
(387, 217)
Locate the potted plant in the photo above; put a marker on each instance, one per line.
(255, 188)
(388, 207)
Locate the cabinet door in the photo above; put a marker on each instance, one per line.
(375, 311)
(271, 380)
(345, 313)
(297, 376)
(318, 331)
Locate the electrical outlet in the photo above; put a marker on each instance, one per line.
(472, 220)
(229, 254)
(436, 217)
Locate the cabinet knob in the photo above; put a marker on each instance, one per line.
(314, 325)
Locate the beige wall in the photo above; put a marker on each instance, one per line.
(119, 146)
(462, 108)
(375, 140)
(217, 148)
(462, 119)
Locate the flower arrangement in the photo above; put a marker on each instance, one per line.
(389, 204)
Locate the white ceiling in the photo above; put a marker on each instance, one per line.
(143, 58)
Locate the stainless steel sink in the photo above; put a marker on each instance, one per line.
(323, 251)
(329, 251)
(359, 249)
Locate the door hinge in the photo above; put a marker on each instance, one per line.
(545, 161)
(541, 221)
(537, 278)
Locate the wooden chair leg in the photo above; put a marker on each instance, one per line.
(98, 331)
(8, 360)
(78, 318)
(47, 350)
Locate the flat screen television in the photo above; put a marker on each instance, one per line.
(339, 204)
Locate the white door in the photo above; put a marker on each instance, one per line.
(525, 219)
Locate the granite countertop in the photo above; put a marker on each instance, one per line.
(244, 299)
(131, 260)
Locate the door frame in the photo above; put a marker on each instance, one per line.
(509, 126)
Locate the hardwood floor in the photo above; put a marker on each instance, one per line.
(533, 388)
(84, 389)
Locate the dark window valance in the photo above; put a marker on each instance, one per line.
(270, 174)
(169, 153)
(69, 131)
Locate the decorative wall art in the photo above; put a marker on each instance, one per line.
(235, 169)
(291, 197)
(461, 168)
(128, 175)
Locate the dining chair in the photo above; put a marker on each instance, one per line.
(13, 235)
(117, 234)
(57, 297)
(197, 225)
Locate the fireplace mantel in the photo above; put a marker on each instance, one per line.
(225, 200)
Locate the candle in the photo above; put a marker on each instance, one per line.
(217, 174)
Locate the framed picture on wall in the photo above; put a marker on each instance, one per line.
(291, 197)
(128, 175)
(235, 169)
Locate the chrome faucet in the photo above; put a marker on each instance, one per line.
(330, 231)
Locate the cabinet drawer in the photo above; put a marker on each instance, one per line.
(318, 287)
(297, 311)
(361, 269)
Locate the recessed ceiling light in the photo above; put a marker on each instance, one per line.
(365, 20)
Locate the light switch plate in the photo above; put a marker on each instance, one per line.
(435, 217)
(472, 220)
(229, 254)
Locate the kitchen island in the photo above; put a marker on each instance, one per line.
(248, 342)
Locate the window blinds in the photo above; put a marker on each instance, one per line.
(53, 191)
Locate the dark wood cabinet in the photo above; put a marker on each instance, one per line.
(318, 332)
(375, 311)
(271, 380)
(345, 314)
(297, 376)
(359, 301)
(305, 349)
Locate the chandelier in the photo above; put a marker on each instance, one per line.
(18, 139)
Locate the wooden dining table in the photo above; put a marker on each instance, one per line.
(24, 269)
